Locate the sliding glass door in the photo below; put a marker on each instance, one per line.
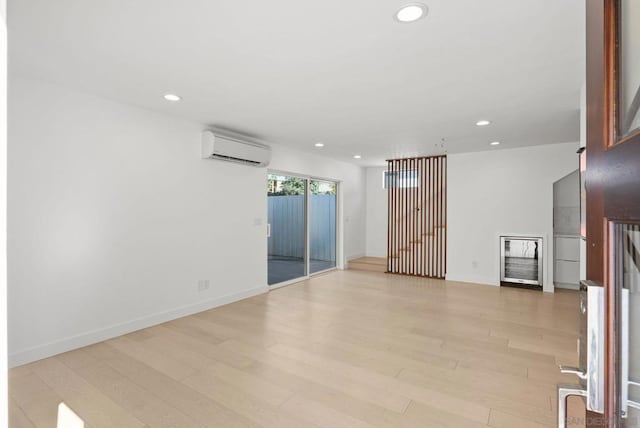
(287, 229)
(322, 225)
(301, 227)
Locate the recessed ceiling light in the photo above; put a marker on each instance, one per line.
(172, 97)
(412, 12)
(483, 122)
(319, 144)
(357, 157)
(494, 143)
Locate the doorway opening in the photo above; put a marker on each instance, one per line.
(302, 227)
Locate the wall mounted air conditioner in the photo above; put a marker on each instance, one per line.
(215, 146)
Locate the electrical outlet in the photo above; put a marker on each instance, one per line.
(203, 284)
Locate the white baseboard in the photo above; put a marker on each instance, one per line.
(381, 255)
(351, 257)
(89, 338)
(461, 277)
(483, 281)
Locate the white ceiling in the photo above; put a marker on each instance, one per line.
(341, 72)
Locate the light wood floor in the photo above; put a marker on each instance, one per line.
(345, 349)
(372, 264)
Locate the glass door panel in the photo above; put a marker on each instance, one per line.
(286, 229)
(628, 250)
(630, 320)
(322, 225)
(629, 67)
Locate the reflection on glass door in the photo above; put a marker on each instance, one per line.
(630, 324)
(628, 235)
(322, 226)
(629, 68)
(286, 229)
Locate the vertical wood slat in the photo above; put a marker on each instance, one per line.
(392, 219)
(411, 219)
(422, 204)
(436, 195)
(396, 223)
(437, 231)
(417, 216)
(389, 217)
(397, 220)
(434, 206)
(432, 224)
(440, 237)
(425, 214)
(425, 236)
(396, 250)
(438, 208)
(400, 223)
(439, 219)
(396, 209)
(444, 229)
(404, 220)
(407, 219)
(413, 241)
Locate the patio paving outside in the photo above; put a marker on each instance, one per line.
(283, 269)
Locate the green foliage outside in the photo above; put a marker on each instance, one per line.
(295, 186)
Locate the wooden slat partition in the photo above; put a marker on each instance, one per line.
(417, 216)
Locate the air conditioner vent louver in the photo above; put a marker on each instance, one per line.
(234, 159)
(229, 149)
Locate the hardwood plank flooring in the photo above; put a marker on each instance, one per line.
(372, 264)
(345, 349)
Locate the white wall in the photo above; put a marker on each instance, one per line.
(501, 192)
(376, 213)
(3, 202)
(113, 218)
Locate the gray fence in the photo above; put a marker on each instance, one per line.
(286, 216)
